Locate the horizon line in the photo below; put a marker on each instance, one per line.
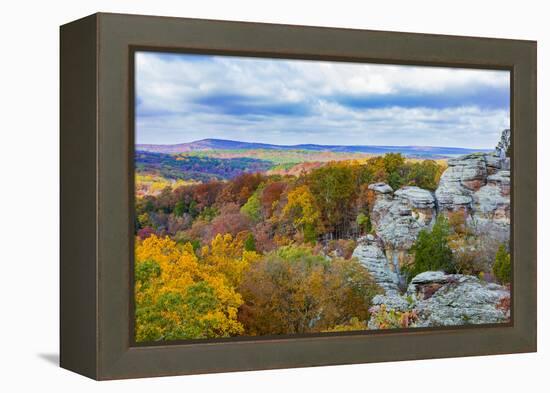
(309, 144)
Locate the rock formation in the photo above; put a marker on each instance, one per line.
(503, 146)
(454, 299)
(461, 179)
(398, 217)
(371, 255)
(439, 299)
(478, 185)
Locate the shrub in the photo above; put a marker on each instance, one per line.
(364, 223)
(468, 256)
(354, 324)
(383, 318)
(342, 248)
(431, 250)
(502, 268)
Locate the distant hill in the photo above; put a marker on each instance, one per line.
(222, 144)
(196, 168)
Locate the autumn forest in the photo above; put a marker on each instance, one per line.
(259, 253)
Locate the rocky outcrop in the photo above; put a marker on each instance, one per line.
(439, 299)
(476, 185)
(371, 255)
(461, 179)
(490, 213)
(503, 146)
(467, 175)
(453, 299)
(398, 217)
(479, 186)
(381, 188)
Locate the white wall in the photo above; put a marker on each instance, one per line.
(29, 193)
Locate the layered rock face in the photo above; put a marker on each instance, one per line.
(398, 217)
(461, 179)
(491, 207)
(439, 299)
(371, 255)
(454, 299)
(467, 175)
(479, 186)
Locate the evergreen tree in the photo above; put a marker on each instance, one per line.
(502, 268)
(179, 209)
(431, 250)
(250, 243)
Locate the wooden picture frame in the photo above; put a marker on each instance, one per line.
(97, 195)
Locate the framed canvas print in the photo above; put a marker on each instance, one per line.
(242, 196)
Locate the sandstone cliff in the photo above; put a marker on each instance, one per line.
(475, 185)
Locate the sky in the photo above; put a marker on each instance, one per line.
(183, 97)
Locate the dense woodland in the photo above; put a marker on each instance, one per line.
(265, 254)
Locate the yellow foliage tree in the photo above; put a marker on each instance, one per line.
(180, 295)
(302, 211)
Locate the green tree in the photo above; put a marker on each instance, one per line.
(424, 174)
(179, 209)
(253, 208)
(250, 243)
(209, 213)
(394, 163)
(193, 211)
(364, 223)
(502, 268)
(146, 272)
(395, 180)
(335, 190)
(431, 250)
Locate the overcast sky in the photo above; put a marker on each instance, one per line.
(182, 98)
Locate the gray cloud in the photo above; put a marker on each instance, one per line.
(181, 98)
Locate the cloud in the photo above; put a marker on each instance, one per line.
(181, 98)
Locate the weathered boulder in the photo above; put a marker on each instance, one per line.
(463, 176)
(398, 218)
(454, 299)
(491, 208)
(383, 197)
(438, 299)
(478, 185)
(466, 175)
(371, 255)
(381, 188)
